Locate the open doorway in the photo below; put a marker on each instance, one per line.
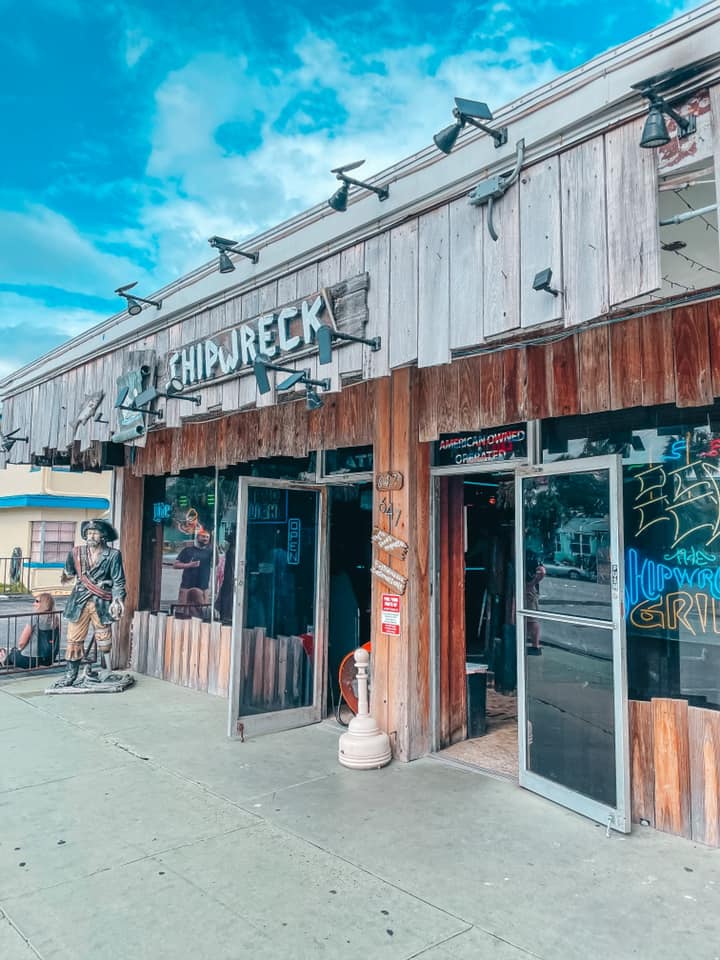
(477, 575)
(350, 589)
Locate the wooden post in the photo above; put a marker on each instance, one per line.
(400, 664)
(130, 529)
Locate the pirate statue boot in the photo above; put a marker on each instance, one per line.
(71, 674)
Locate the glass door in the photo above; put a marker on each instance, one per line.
(572, 703)
(280, 618)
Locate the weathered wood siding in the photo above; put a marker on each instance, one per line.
(675, 768)
(437, 283)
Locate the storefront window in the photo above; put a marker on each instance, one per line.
(189, 534)
(187, 519)
(348, 460)
(671, 505)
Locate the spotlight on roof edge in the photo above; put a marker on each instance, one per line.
(225, 247)
(468, 112)
(133, 301)
(338, 201)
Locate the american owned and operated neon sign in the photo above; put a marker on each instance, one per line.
(284, 331)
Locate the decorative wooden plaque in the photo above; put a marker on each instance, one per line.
(396, 581)
(389, 543)
(391, 480)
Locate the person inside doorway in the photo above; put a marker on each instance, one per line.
(195, 561)
(534, 573)
(39, 639)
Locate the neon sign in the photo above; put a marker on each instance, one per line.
(482, 446)
(695, 489)
(648, 580)
(674, 610)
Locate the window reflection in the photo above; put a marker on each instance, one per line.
(567, 537)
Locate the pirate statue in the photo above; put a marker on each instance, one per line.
(97, 597)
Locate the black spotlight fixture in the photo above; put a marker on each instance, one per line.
(325, 336)
(225, 247)
(543, 281)
(133, 301)
(8, 440)
(472, 112)
(262, 364)
(655, 132)
(338, 201)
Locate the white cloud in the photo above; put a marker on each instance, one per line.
(40, 247)
(390, 103)
(30, 327)
(136, 45)
(330, 105)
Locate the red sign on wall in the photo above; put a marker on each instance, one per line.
(390, 615)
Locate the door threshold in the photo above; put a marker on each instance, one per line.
(474, 768)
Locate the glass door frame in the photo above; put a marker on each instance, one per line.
(618, 817)
(511, 468)
(278, 720)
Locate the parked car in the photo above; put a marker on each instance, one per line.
(565, 568)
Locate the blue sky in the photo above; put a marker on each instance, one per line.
(131, 132)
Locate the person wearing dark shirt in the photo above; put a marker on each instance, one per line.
(195, 562)
(37, 645)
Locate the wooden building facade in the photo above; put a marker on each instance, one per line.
(510, 482)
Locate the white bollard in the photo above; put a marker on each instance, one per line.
(364, 746)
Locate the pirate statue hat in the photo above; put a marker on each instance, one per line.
(107, 530)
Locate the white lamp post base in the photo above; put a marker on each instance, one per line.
(364, 746)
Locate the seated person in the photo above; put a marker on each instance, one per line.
(38, 643)
(194, 606)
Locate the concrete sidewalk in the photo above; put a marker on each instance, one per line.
(131, 828)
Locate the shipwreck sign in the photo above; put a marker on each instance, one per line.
(286, 330)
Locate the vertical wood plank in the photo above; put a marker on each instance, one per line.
(434, 288)
(224, 669)
(713, 308)
(672, 766)
(540, 241)
(352, 264)
(584, 232)
(466, 274)
(429, 404)
(468, 393)
(594, 369)
(377, 264)
(213, 658)
(403, 293)
(515, 384)
(704, 731)
(658, 368)
(538, 403)
(203, 656)
(642, 775)
(563, 363)
(501, 267)
(625, 364)
(492, 394)
(448, 399)
(633, 241)
(382, 457)
(691, 340)
(168, 648)
(403, 444)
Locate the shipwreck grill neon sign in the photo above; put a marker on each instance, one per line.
(272, 334)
